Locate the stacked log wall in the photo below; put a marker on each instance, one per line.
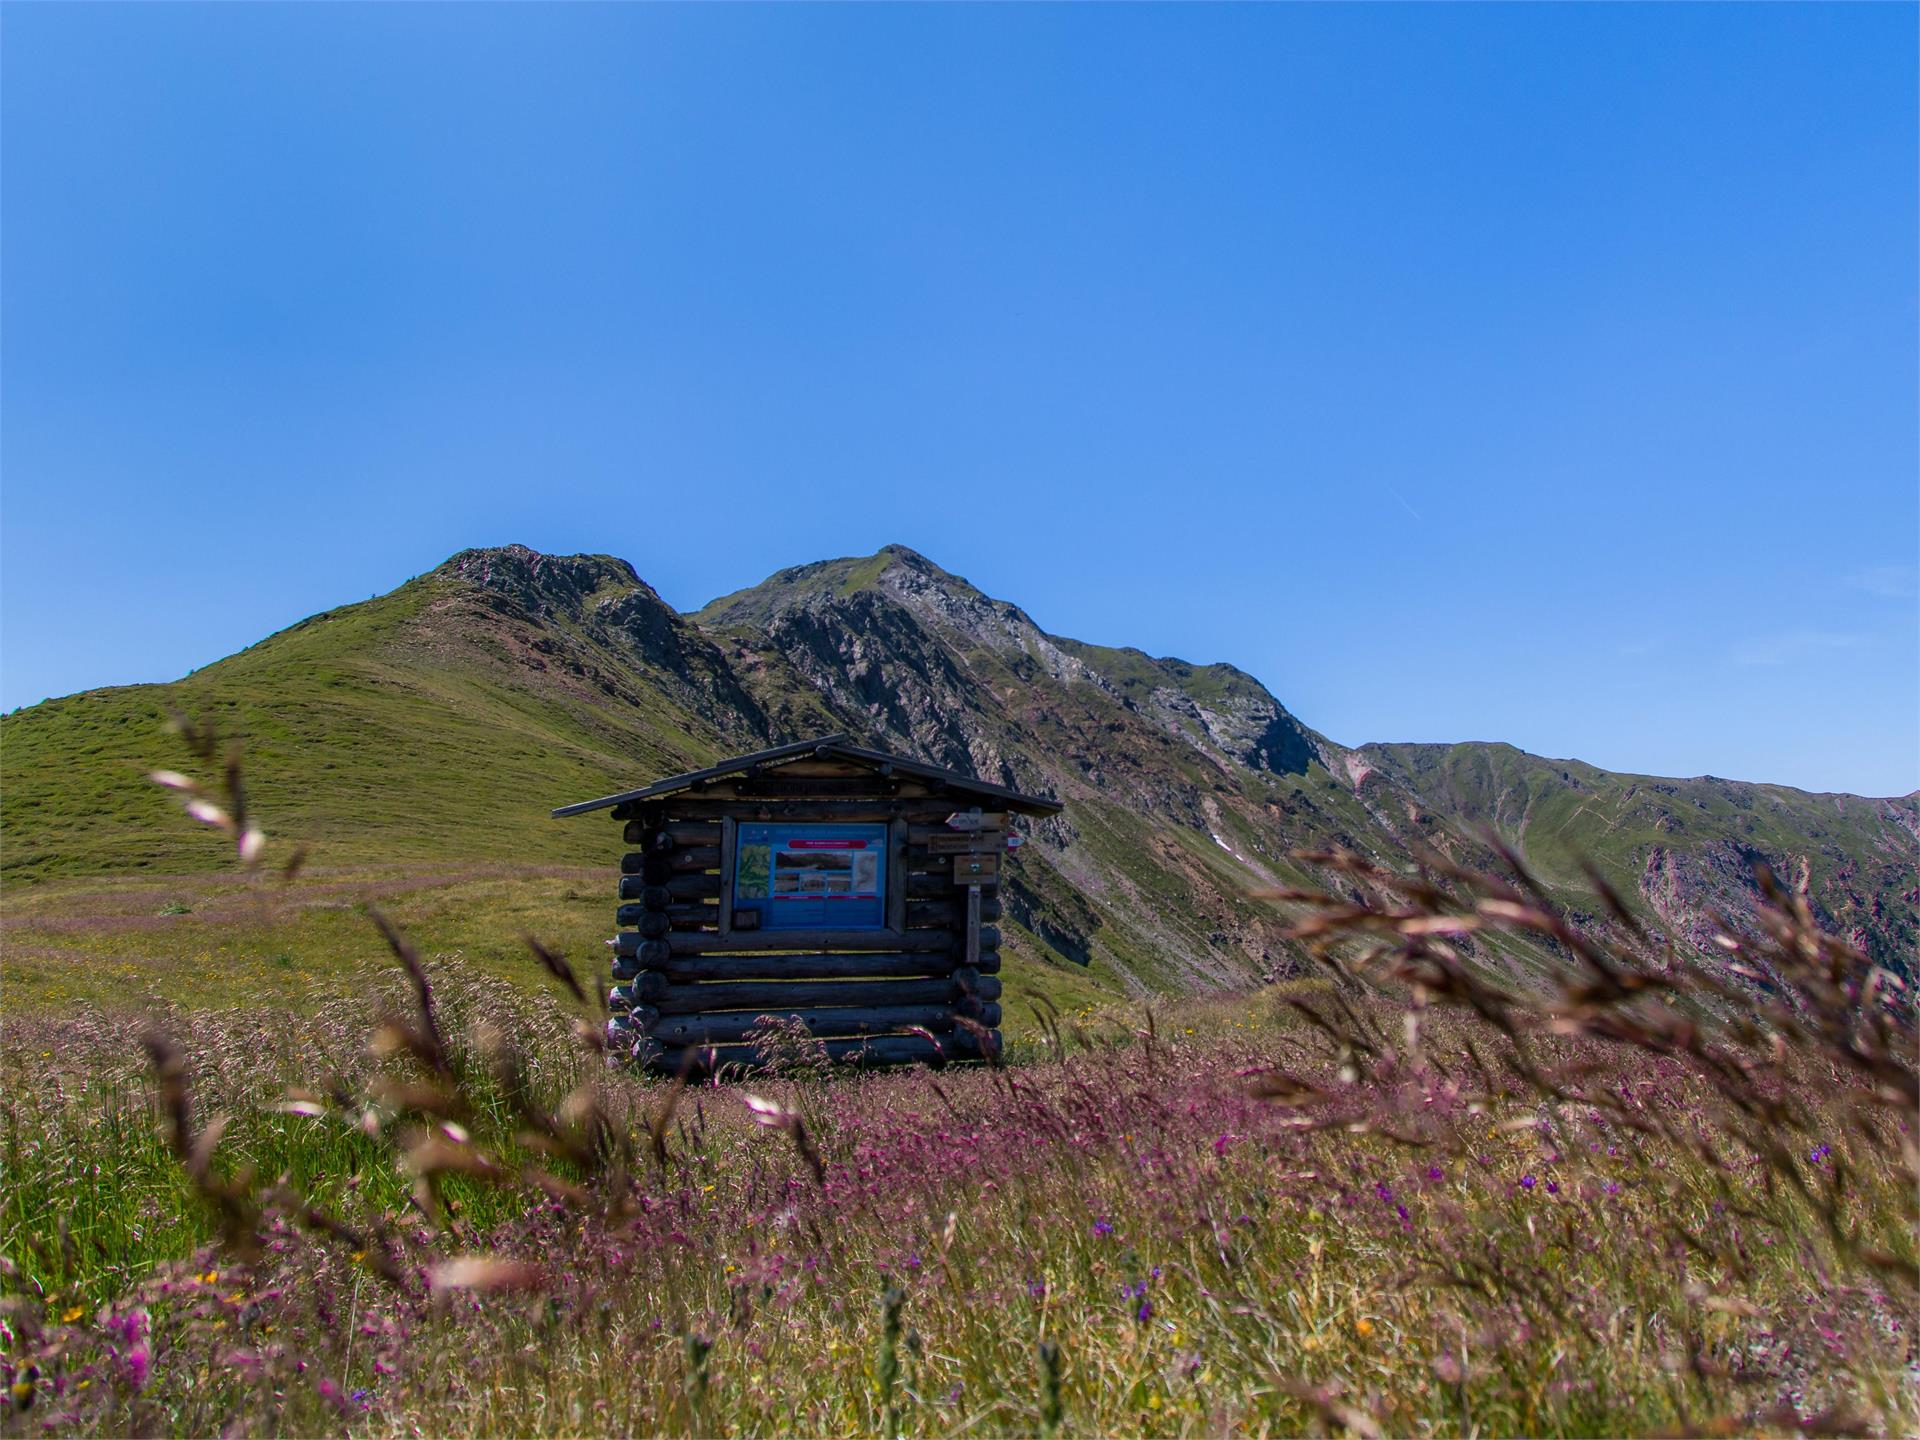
(692, 989)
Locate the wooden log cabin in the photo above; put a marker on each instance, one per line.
(849, 890)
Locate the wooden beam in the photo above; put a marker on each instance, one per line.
(842, 769)
(779, 787)
(658, 869)
(992, 824)
(723, 882)
(932, 887)
(676, 888)
(897, 878)
(678, 884)
(822, 1024)
(654, 924)
(691, 969)
(952, 912)
(813, 942)
(883, 1050)
(688, 809)
(684, 833)
(784, 995)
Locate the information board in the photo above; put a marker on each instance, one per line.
(811, 877)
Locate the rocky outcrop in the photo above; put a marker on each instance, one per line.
(601, 621)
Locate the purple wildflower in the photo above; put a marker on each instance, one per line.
(1102, 1228)
(1434, 1172)
(1145, 1311)
(1526, 1182)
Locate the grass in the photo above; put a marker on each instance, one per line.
(1580, 1205)
(426, 1207)
(1203, 1260)
(216, 942)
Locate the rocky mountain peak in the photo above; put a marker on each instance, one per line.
(568, 585)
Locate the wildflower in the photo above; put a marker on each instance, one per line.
(72, 1315)
(1526, 1182)
(1401, 1211)
(1819, 1153)
(1434, 1172)
(1145, 1312)
(1363, 1327)
(1553, 1187)
(1102, 1227)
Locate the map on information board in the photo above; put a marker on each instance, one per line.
(812, 877)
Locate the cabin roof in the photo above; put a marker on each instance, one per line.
(825, 747)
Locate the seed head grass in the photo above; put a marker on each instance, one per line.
(1402, 1197)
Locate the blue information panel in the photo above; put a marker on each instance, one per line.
(812, 877)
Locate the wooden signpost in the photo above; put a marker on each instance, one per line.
(845, 889)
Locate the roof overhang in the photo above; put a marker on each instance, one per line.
(825, 747)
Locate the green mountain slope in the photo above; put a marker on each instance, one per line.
(441, 719)
(1686, 847)
(439, 723)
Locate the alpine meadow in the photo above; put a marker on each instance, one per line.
(1397, 1089)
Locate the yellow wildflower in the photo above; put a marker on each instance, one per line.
(1363, 1327)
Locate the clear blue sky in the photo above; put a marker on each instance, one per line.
(1542, 373)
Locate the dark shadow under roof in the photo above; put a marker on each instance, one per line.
(826, 747)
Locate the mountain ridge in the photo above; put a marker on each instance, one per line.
(558, 677)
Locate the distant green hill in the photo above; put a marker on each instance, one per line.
(441, 722)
